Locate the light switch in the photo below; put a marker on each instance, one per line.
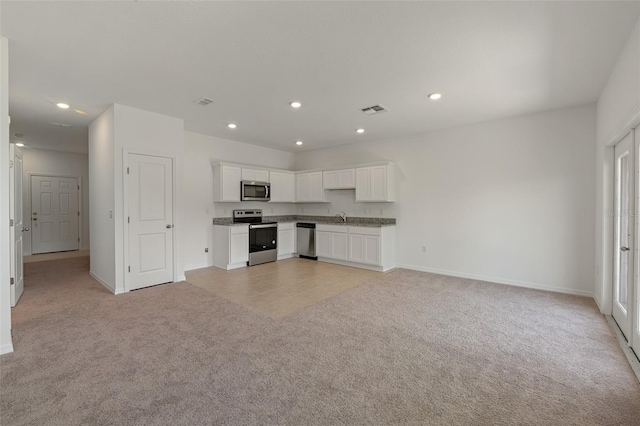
(110, 214)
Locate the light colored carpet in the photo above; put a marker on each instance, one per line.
(405, 348)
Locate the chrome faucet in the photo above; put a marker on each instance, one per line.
(342, 215)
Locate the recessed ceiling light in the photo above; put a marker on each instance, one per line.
(359, 130)
(20, 144)
(299, 143)
(231, 126)
(62, 105)
(434, 96)
(295, 104)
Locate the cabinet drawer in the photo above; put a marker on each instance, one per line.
(365, 230)
(239, 229)
(332, 228)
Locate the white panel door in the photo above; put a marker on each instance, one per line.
(634, 310)
(150, 220)
(54, 214)
(17, 230)
(623, 232)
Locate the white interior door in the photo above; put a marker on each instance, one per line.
(623, 235)
(634, 308)
(150, 220)
(17, 230)
(54, 214)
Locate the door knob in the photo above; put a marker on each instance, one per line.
(169, 226)
(35, 218)
(25, 229)
(624, 248)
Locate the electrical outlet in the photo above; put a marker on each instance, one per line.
(206, 250)
(424, 249)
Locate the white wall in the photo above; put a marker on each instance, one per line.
(199, 209)
(101, 198)
(509, 201)
(618, 111)
(118, 131)
(145, 132)
(5, 294)
(40, 161)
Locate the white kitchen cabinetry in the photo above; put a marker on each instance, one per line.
(309, 188)
(375, 184)
(286, 240)
(283, 187)
(226, 183)
(364, 245)
(255, 175)
(230, 246)
(332, 241)
(339, 179)
(359, 246)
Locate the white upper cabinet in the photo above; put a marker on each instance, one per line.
(309, 187)
(375, 183)
(226, 183)
(339, 179)
(255, 175)
(283, 187)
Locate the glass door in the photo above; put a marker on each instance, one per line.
(624, 221)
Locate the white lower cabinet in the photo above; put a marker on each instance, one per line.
(360, 246)
(364, 249)
(286, 240)
(230, 246)
(332, 241)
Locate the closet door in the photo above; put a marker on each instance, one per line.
(623, 249)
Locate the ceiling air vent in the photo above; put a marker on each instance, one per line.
(60, 124)
(375, 109)
(203, 101)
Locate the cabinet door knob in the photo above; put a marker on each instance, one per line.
(169, 226)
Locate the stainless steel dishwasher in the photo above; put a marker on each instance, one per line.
(306, 240)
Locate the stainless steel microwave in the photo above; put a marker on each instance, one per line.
(255, 191)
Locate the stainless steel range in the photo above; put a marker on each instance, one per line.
(263, 236)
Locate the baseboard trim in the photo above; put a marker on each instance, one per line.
(628, 352)
(534, 286)
(180, 279)
(353, 264)
(6, 349)
(598, 303)
(103, 282)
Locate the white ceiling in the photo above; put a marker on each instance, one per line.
(488, 59)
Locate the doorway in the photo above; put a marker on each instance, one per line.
(149, 235)
(17, 228)
(55, 214)
(626, 285)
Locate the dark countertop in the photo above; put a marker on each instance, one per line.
(374, 222)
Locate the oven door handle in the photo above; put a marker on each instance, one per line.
(271, 225)
(266, 187)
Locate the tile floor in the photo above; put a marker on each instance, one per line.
(281, 288)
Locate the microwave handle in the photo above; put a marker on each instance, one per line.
(266, 187)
